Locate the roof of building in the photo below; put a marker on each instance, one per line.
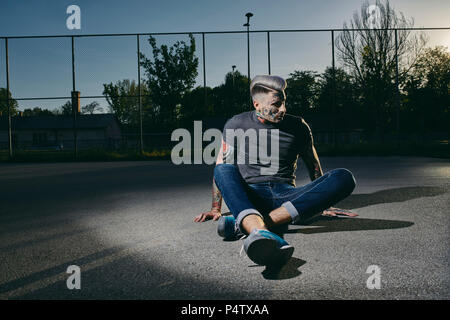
(84, 121)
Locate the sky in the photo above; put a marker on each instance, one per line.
(42, 67)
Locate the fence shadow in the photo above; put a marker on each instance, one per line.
(389, 196)
(336, 224)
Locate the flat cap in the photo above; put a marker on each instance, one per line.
(272, 82)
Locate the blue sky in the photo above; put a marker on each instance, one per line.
(42, 67)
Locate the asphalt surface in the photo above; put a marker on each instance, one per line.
(129, 227)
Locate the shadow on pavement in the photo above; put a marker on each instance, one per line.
(324, 224)
(389, 195)
(334, 224)
(52, 271)
(53, 200)
(288, 271)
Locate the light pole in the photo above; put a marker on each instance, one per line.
(233, 67)
(248, 15)
(232, 96)
(8, 101)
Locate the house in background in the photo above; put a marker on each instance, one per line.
(57, 132)
(103, 131)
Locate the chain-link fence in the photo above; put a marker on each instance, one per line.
(322, 86)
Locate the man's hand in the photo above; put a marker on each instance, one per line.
(213, 214)
(333, 212)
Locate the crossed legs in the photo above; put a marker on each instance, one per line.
(299, 205)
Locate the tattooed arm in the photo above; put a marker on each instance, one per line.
(216, 207)
(309, 154)
(311, 160)
(312, 163)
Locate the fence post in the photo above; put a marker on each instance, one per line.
(397, 89)
(8, 102)
(141, 141)
(204, 67)
(248, 63)
(268, 50)
(333, 96)
(74, 101)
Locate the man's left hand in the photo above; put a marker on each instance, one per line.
(333, 212)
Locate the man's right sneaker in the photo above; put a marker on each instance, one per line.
(266, 248)
(228, 229)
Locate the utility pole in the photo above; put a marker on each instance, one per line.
(248, 15)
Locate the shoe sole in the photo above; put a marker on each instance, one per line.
(266, 252)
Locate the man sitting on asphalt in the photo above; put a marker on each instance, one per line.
(262, 194)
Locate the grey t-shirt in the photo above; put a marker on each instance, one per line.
(266, 151)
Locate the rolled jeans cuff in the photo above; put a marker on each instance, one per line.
(245, 213)
(292, 211)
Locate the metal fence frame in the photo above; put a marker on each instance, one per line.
(202, 33)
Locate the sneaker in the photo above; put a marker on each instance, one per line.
(228, 229)
(266, 248)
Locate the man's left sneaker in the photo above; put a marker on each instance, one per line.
(266, 248)
(228, 229)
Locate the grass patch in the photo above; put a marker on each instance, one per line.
(438, 149)
(83, 155)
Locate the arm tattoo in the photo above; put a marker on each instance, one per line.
(309, 156)
(311, 160)
(216, 197)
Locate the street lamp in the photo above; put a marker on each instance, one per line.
(233, 67)
(248, 15)
(232, 92)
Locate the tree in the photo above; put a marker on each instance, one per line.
(65, 109)
(342, 90)
(427, 88)
(170, 75)
(432, 69)
(12, 103)
(37, 112)
(369, 54)
(123, 101)
(91, 107)
(231, 97)
(193, 105)
(301, 91)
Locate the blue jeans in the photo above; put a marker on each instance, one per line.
(302, 203)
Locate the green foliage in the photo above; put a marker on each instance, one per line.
(37, 112)
(193, 106)
(65, 109)
(302, 91)
(3, 103)
(232, 97)
(427, 91)
(170, 75)
(370, 56)
(91, 107)
(123, 101)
